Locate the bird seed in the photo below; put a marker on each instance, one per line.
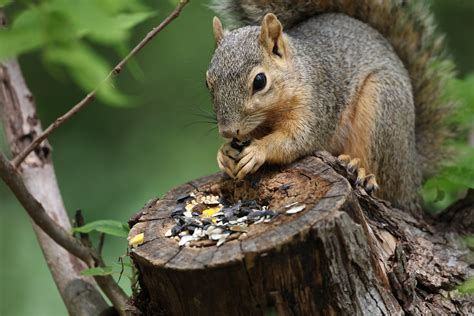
(212, 220)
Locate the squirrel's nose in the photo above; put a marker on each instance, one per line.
(229, 132)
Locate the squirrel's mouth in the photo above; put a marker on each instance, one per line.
(263, 129)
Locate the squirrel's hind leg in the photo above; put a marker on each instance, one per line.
(360, 177)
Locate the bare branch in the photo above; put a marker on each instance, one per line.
(91, 95)
(100, 245)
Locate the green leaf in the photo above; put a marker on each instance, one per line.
(467, 287)
(59, 28)
(460, 175)
(463, 92)
(130, 20)
(107, 270)
(24, 35)
(440, 194)
(109, 227)
(87, 68)
(117, 6)
(98, 21)
(4, 3)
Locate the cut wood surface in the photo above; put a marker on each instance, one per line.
(346, 253)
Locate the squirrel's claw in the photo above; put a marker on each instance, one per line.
(367, 181)
(225, 161)
(370, 183)
(251, 159)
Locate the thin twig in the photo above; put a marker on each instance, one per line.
(100, 245)
(91, 95)
(85, 240)
(122, 267)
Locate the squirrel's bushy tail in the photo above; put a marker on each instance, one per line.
(407, 25)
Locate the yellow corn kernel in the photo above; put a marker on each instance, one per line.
(210, 212)
(136, 240)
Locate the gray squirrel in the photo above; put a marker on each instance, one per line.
(360, 79)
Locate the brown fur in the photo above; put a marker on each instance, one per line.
(408, 26)
(218, 30)
(283, 123)
(353, 134)
(392, 121)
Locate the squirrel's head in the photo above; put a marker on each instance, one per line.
(248, 77)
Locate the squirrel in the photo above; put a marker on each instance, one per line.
(360, 79)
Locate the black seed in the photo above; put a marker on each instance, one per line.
(269, 213)
(191, 228)
(224, 201)
(251, 203)
(255, 214)
(238, 145)
(179, 210)
(176, 230)
(184, 198)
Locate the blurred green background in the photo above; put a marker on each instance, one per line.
(111, 160)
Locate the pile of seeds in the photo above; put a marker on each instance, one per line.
(208, 219)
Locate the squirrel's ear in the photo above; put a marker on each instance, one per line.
(218, 30)
(271, 35)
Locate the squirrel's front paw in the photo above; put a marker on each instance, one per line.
(250, 159)
(226, 159)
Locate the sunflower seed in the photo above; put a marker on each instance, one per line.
(221, 240)
(296, 209)
(291, 204)
(185, 239)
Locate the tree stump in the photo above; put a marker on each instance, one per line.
(347, 253)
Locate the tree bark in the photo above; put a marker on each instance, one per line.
(347, 253)
(21, 126)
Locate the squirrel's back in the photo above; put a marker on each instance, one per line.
(406, 25)
(347, 48)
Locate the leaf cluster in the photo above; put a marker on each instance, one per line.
(68, 35)
(112, 228)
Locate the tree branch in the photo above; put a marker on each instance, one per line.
(36, 188)
(91, 95)
(20, 122)
(36, 211)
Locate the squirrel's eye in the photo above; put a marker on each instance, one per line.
(259, 82)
